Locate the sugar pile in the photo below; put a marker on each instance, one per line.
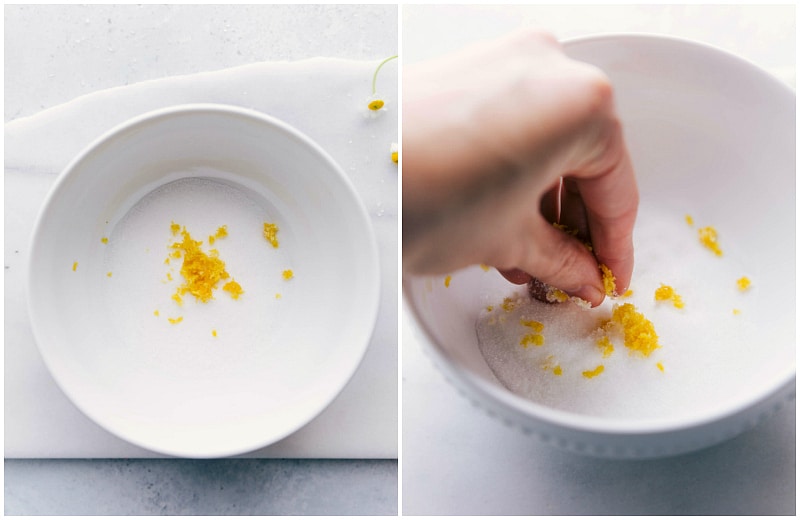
(706, 348)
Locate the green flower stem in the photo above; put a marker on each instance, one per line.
(381, 64)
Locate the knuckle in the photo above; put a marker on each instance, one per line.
(599, 90)
(532, 36)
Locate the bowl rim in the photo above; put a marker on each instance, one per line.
(370, 253)
(585, 423)
(679, 41)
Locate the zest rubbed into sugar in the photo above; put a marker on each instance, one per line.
(222, 232)
(606, 347)
(508, 304)
(639, 332)
(271, 233)
(667, 293)
(609, 281)
(708, 237)
(743, 283)
(234, 289)
(201, 271)
(589, 374)
(532, 338)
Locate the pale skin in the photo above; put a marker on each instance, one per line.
(501, 140)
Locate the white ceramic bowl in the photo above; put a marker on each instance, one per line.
(710, 135)
(235, 374)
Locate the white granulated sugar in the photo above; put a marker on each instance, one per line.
(245, 328)
(706, 349)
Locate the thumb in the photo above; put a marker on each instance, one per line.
(564, 262)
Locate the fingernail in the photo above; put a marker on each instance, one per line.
(590, 294)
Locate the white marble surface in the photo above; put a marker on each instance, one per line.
(59, 58)
(56, 53)
(322, 97)
(364, 416)
(458, 460)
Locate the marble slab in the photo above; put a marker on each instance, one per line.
(322, 97)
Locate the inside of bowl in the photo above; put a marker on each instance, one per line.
(713, 138)
(165, 368)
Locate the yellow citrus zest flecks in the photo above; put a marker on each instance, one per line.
(447, 280)
(104, 240)
(549, 366)
(234, 289)
(508, 304)
(639, 333)
(554, 295)
(222, 232)
(667, 293)
(708, 237)
(288, 274)
(271, 233)
(175, 321)
(201, 271)
(609, 281)
(568, 230)
(74, 266)
(588, 374)
(537, 326)
(689, 220)
(606, 346)
(660, 366)
(743, 283)
(531, 339)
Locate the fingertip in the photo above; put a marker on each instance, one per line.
(515, 276)
(589, 293)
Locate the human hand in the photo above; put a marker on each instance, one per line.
(488, 135)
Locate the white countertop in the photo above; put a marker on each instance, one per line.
(458, 460)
